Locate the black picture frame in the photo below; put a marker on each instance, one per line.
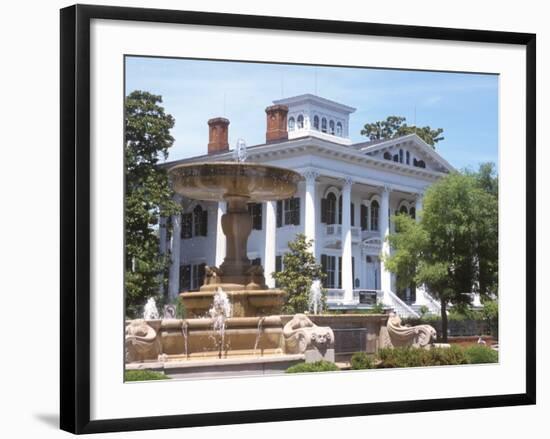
(75, 217)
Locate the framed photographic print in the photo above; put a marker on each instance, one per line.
(277, 218)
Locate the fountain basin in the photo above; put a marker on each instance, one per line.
(244, 302)
(222, 180)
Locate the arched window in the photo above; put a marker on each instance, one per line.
(323, 125)
(331, 208)
(291, 124)
(300, 122)
(200, 220)
(374, 210)
(408, 155)
(387, 155)
(400, 156)
(331, 127)
(404, 210)
(316, 122)
(339, 129)
(412, 212)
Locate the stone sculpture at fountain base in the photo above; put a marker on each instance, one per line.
(302, 336)
(141, 342)
(396, 335)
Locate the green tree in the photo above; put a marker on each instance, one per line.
(453, 249)
(300, 270)
(147, 194)
(395, 126)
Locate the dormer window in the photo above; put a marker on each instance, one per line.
(291, 124)
(316, 122)
(339, 129)
(300, 122)
(323, 125)
(331, 127)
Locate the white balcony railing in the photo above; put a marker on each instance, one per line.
(335, 230)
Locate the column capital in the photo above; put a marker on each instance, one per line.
(310, 175)
(419, 196)
(387, 188)
(347, 181)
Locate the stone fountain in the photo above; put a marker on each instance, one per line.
(237, 184)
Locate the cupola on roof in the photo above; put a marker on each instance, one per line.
(310, 115)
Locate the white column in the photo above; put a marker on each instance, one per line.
(270, 243)
(384, 226)
(347, 272)
(220, 237)
(175, 243)
(418, 206)
(420, 298)
(162, 249)
(310, 219)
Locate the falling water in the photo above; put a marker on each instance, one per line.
(219, 312)
(258, 333)
(315, 296)
(184, 329)
(150, 311)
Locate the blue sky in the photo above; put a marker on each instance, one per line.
(193, 91)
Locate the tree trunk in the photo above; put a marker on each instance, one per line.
(444, 321)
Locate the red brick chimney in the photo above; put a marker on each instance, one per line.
(276, 123)
(218, 135)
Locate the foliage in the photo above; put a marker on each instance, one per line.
(416, 357)
(453, 248)
(300, 270)
(147, 193)
(318, 366)
(395, 126)
(423, 311)
(361, 360)
(144, 375)
(490, 315)
(479, 354)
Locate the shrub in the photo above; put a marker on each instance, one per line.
(479, 354)
(360, 360)
(318, 366)
(144, 375)
(415, 357)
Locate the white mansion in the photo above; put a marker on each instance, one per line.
(344, 204)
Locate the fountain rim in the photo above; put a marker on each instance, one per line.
(235, 171)
(229, 164)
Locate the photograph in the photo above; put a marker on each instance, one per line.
(288, 218)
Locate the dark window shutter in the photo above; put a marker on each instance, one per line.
(352, 213)
(204, 223)
(185, 277)
(296, 210)
(364, 216)
(339, 272)
(259, 217)
(340, 209)
(201, 274)
(324, 269)
(279, 213)
(278, 263)
(324, 210)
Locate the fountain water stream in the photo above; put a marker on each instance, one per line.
(219, 312)
(150, 311)
(315, 297)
